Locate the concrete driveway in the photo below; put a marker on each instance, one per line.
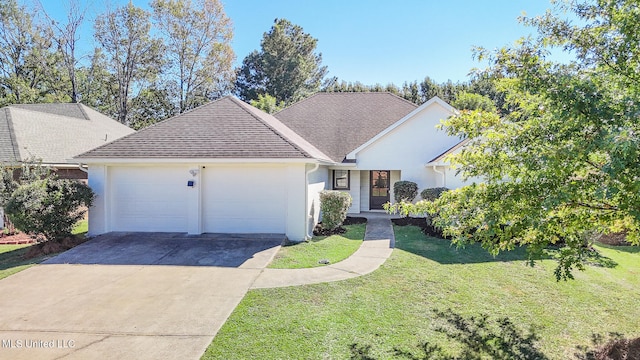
(130, 296)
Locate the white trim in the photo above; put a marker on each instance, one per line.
(433, 100)
(118, 161)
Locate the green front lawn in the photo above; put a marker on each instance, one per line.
(334, 248)
(392, 309)
(11, 256)
(11, 259)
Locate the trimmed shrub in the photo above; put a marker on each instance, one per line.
(334, 206)
(405, 191)
(431, 194)
(49, 207)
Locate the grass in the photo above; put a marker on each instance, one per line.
(12, 261)
(12, 256)
(391, 309)
(308, 254)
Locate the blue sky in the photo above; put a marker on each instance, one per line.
(373, 41)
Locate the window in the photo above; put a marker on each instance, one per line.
(341, 179)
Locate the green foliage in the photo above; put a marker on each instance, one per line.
(431, 194)
(133, 55)
(334, 206)
(286, 67)
(267, 103)
(30, 66)
(563, 162)
(49, 207)
(405, 191)
(198, 49)
(469, 101)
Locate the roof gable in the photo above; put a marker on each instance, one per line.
(337, 123)
(53, 133)
(435, 101)
(225, 128)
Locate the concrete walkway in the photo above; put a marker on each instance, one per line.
(375, 249)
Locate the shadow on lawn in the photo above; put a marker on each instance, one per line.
(15, 258)
(444, 252)
(477, 337)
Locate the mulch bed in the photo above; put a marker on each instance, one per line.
(615, 239)
(16, 239)
(319, 231)
(52, 247)
(420, 222)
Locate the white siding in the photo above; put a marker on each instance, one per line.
(409, 147)
(364, 190)
(318, 181)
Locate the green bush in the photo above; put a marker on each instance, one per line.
(49, 207)
(334, 206)
(405, 191)
(431, 194)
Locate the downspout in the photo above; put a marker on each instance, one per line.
(444, 179)
(308, 231)
(82, 169)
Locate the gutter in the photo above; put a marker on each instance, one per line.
(444, 179)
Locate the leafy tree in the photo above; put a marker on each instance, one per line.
(286, 67)
(268, 104)
(565, 162)
(469, 101)
(152, 104)
(97, 86)
(133, 56)
(198, 46)
(29, 70)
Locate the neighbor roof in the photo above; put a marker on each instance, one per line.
(337, 123)
(53, 133)
(225, 128)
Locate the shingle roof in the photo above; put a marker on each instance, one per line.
(225, 128)
(337, 123)
(53, 133)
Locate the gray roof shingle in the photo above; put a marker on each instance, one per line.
(338, 123)
(225, 128)
(53, 133)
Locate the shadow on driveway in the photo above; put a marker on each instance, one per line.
(224, 250)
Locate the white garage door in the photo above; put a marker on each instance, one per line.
(244, 199)
(148, 199)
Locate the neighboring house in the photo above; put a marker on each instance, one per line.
(229, 167)
(54, 134)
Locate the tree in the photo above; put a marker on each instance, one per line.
(29, 70)
(565, 162)
(66, 37)
(267, 103)
(286, 68)
(469, 101)
(198, 37)
(133, 56)
(97, 86)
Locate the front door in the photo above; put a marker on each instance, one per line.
(379, 194)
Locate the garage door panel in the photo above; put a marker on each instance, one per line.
(148, 199)
(244, 199)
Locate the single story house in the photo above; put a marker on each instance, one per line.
(53, 134)
(229, 167)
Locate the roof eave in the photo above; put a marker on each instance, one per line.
(116, 160)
